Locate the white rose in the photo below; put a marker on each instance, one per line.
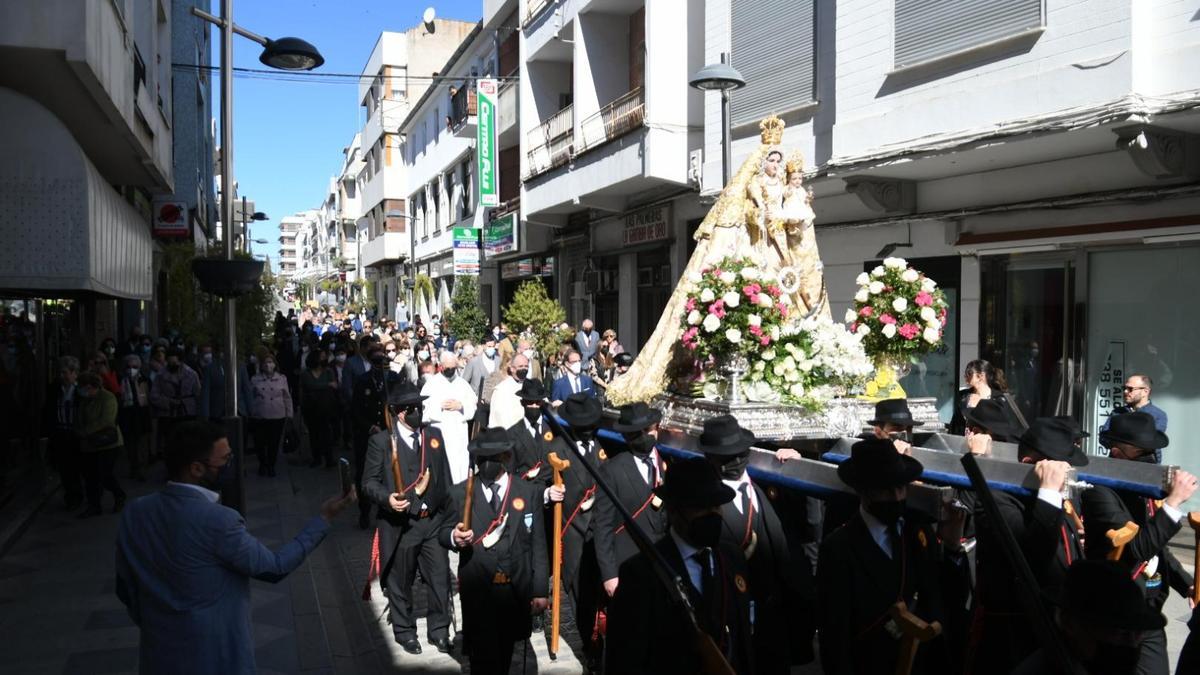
(931, 335)
(889, 330)
(695, 277)
(934, 324)
(900, 304)
(707, 295)
(928, 285)
(850, 316)
(754, 320)
(759, 366)
(711, 323)
(779, 368)
(895, 263)
(774, 333)
(765, 301)
(768, 355)
(876, 287)
(862, 295)
(910, 275)
(732, 299)
(727, 277)
(796, 390)
(863, 329)
(878, 271)
(789, 364)
(792, 376)
(806, 365)
(733, 335)
(751, 273)
(862, 279)
(693, 318)
(927, 314)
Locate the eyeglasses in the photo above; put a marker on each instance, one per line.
(1134, 388)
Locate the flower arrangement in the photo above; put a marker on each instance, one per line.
(733, 309)
(813, 361)
(899, 313)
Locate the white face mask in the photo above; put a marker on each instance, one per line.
(133, 372)
(423, 355)
(490, 351)
(396, 367)
(575, 367)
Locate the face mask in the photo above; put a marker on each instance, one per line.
(423, 355)
(109, 350)
(641, 444)
(341, 358)
(489, 470)
(412, 417)
(533, 415)
(133, 372)
(734, 467)
(173, 367)
(1113, 660)
(490, 352)
(448, 373)
(269, 367)
(395, 367)
(1033, 354)
(206, 359)
(145, 349)
(528, 353)
(575, 367)
(437, 331)
(253, 360)
(888, 513)
(705, 531)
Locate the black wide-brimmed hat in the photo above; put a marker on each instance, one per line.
(693, 483)
(490, 442)
(874, 463)
(404, 393)
(624, 359)
(1055, 440)
(1070, 425)
(1136, 429)
(635, 417)
(723, 436)
(892, 411)
(532, 390)
(991, 416)
(581, 410)
(1101, 593)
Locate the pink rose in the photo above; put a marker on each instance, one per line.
(923, 299)
(854, 328)
(782, 309)
(866, 311)
(755, 330)
(752, 291)
(691, 304)
(909, 330)
(718, 308)
(766, 340)
(886, 318)
(774, 291)
(716, 271)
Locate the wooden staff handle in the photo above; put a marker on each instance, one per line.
(559, 465)
(1076, 521)
(1118, 538)
(465, 524)
(1194, 521)
(915, 631)
(397, 474)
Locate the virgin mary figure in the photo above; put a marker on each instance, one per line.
(738, 225)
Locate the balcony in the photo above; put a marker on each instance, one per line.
(551, 142)
(463, 111)
(386, 248)
(533, 8)
(612, 121)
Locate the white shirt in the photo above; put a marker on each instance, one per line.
(452, 423)
(211, 496)
(501, 486)
(489, 364)
(736, 486)
(652, 457)
(879, 531)
(688, 553)
(506, 408)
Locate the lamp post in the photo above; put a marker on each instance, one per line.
(284, 54)
(724, 78)
(246, 218)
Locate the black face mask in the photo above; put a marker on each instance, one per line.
(489, 469)
(411, 416)
(734, 467)
(641, 444)
(705, 531)
(448, 373)
(173, 367)
(1113, 660)
(521, 374)
(533, 415)
(585, 434)
(888, 513)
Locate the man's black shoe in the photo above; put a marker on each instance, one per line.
(410, 645)
(442, 644)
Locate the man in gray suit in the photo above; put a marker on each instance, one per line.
(184, 562)
(479, 368)
(587, 341)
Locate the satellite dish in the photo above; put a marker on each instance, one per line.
(428, 17)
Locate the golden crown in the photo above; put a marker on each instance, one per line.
(772, 130)
(795, 163)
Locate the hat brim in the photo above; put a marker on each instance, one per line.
(735, 446)
(855, 476)
(653, 417)
(489, 449)
(994, 429)
(713, 494)
(904, 422)
(1107, 438)
(407, 399)
(582, 420)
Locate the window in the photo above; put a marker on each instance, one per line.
(464, 173)
(928, 30)
(435, 200)
(773, 46)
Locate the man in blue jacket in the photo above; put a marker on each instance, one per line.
(575, 381)
(184, 562)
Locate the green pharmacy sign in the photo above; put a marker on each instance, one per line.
(485, 143)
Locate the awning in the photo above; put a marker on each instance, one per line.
(63, 228)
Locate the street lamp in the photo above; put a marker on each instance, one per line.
(284, 54)
(724, 78)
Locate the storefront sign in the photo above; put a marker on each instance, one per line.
(500, 235)
(1110, 383)
(647, 225)
(485, 143)
(509, 270)
(466, 251)
(171, 220)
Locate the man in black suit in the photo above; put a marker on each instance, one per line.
(367, 402)
(1048, 535)
(647, 631)
(781, 585)
(532, 438)
(1133, 437)
(883, 554)
(410, 522)
(503, 574)
(633, 476)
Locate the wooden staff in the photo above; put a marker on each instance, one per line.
(915, 631)
(465, 523)
(1118, 539)
(397, 474)
(1069, 509)
(559, 465)
(1194, 521)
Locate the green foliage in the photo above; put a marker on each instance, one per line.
(200, 317)
(466, 317)
(532, 309)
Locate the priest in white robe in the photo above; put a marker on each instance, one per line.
(450, 406)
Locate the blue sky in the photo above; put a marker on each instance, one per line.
(288, 136)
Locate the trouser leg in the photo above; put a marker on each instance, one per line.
(400, 581)
(106, 461)
(435, 569)
(89, 466)
(63, 451)
(1153, 657)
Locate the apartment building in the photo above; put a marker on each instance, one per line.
(289, 232)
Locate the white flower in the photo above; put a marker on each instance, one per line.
(707, 295)
(727, 277)
(934, 324)
(768, 355)
(910, 275)
(751, 273)
(732, 299)
(900, 304)
(863, 329)
(759, 366)
(733, 335)
(796, 390)
(850, 315)
(695, 277)
(876, 287)
(693, 318)
(862, 295)
(928, 285)
(878, 271)
(889, 330)
(779, 368)
(931, 335)
(927, 314)
(789, 364)
(895, 263)
(711, 323)
(862, 279)
(806, 365)
(774, 333)
(765, 301)
(754, 320)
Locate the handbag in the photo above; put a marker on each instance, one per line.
(104, 438)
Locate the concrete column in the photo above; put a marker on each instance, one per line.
(627, 293)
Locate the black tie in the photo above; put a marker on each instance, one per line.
(895, 540)
(744, 490)
(495, 502)
(704, 557)
(649, 462)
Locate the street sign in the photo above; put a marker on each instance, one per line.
(466, 251)
(485, 143)
(500, 235)
(171, 220)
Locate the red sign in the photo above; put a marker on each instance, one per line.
(171, 220)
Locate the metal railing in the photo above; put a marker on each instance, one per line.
(462, 105)
(620, 117)
(535, 7)
(551, 142)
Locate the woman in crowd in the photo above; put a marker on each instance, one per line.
(99, 443)
(270, 409)
(984, 382)
(318, 401)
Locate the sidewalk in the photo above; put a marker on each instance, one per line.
(59, 613)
